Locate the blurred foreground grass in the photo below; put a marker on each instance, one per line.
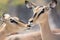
(4, 4)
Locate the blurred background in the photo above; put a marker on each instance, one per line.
(18, 8)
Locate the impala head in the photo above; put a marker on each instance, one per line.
(8, 18)
(39, 11)
(13, 20)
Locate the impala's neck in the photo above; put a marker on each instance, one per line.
(3, 35)
(3, 32)
(45, 29)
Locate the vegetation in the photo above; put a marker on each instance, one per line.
(4, 4)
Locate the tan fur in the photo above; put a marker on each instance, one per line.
(7, 28)
(46, 33)
(27, 36)
(45, 29)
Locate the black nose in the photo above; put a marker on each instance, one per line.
(31, 21)
(29, 25)
(13, 21)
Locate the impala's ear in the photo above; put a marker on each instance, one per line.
(29, 5)
(6, 16)
(53, 4)
(26, 2)
(3, 14)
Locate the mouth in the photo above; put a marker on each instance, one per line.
(30, 24)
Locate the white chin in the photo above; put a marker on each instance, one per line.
(31, 24)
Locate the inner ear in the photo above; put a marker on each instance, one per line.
(53, 3)
(30, 5)
(26, 2)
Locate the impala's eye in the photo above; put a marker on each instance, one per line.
(42, 11)
(31, 21)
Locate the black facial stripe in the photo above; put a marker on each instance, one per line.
(13, 21)
(40, 13)
(34, 15)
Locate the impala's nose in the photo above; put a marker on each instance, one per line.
(29, 25)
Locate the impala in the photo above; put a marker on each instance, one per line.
(41, 17)
(10, 25)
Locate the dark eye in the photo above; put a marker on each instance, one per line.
(11, 20)
(42, 11)
(31, 21)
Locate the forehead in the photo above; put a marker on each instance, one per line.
(38, 9)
